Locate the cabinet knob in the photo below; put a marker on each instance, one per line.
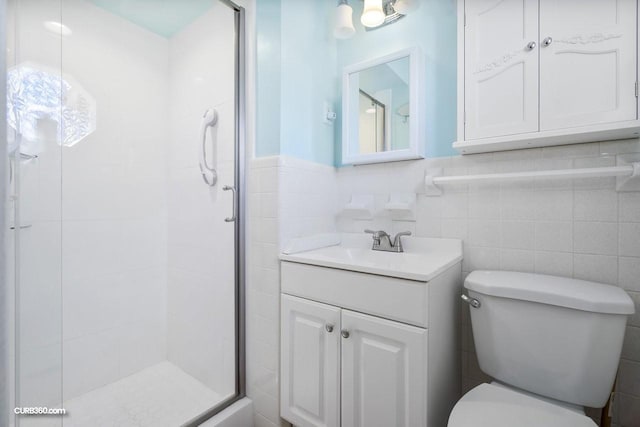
(531, 45)
(344, 333)
(329, 328)
(547, 41)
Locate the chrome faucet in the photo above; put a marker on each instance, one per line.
(382, 241)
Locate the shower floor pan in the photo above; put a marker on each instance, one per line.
(158, 396)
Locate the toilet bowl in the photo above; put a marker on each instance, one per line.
(552, 345)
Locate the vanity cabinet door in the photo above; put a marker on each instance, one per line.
(587, 62)
(384, 372)
(501, 68)
(310, 357)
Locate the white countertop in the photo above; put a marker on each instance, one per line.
(422, 259)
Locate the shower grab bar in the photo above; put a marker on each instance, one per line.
(209, 174)
(235, 194)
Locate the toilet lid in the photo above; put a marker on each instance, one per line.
(493, 405)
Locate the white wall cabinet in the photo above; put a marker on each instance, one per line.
(342, 367)
(545, 72)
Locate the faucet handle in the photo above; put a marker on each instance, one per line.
(396, 240)
(403, 233)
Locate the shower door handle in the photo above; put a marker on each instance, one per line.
(235, 202)
(21, 227)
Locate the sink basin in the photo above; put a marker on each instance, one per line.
(422, 259)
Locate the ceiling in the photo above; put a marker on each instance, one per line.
(163, 17)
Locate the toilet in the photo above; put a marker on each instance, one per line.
(551, 344)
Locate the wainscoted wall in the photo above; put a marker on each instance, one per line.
(288, 198)
(583, 229)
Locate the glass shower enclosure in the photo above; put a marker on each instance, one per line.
(125, 133)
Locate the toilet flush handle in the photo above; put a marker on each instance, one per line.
(471, 301)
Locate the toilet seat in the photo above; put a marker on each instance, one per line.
(495, 405)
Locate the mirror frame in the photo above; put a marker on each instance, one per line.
(416, 109)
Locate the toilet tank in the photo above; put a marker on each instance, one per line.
(557, 337)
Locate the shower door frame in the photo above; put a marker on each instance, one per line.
(239, 224)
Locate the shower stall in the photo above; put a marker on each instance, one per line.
(124, 234)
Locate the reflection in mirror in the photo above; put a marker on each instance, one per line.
(380, 97)
(372, 124)
(381, 86)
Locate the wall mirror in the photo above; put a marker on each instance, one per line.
(381, 101)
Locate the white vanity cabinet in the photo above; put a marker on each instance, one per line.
(546, 72)
(383, 372)
(367, 350)
(310, 356)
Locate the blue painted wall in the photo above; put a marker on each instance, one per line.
(300, 66)
(296, 62)
(268, 78)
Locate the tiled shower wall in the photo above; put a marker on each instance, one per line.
(583, 229)
(199, 316)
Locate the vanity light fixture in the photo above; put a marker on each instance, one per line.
(405, 6)
(375, 14)
(344, 21)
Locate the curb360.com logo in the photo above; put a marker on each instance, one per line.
(39, 410)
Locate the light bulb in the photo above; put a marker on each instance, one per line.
(372, 14)
(344, 22)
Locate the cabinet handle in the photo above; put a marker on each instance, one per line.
(329, 328)
(547, 41)
(531, 45)
(344, 333)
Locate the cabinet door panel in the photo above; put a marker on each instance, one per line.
(501, 70)
(588, 72)
(310, 355)
(383, 372)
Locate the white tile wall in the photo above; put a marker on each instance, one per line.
(581, 229)
(287, 198)
(113, 205)
(263, 285)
